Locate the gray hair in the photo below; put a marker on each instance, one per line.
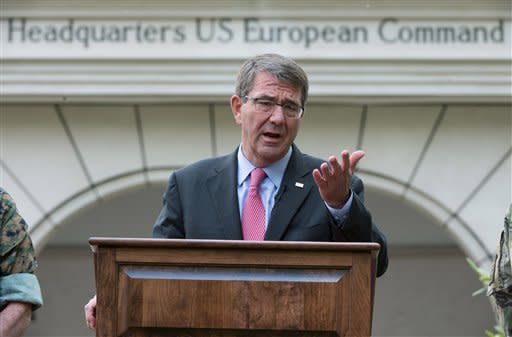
(282, 68)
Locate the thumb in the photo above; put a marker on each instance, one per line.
(355, 157)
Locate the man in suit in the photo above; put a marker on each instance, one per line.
(297, 197)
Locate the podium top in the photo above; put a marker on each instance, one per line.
(231, 244)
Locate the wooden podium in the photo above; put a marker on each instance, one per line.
(207, 288)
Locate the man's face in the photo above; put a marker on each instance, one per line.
(266, 137)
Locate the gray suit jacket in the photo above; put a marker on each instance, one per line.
(201, 202)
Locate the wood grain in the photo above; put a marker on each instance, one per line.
(224, 288)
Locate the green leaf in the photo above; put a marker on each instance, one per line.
(483, 276)
(485, 279)
(479, 291)
(500, 330)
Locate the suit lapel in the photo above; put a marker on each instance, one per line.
(222, 188)
(294, 189)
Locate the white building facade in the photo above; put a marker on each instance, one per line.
(101, 101)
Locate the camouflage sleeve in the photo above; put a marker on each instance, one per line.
(16, 250)
(500, 287)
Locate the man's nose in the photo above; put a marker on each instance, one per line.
(277, 115)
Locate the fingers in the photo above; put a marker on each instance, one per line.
(345, 161)
(333, 168)
(355, 158)
(333, 178)
(326, 172)
(319, 180)
(90, 313)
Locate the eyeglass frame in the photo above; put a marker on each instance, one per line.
(299, 113)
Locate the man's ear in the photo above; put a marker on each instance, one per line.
(236, 108)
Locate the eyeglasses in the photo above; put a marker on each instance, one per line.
(266, 105)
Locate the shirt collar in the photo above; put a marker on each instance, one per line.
(274, 171)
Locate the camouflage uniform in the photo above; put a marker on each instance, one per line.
(500, 286)
(17, 258)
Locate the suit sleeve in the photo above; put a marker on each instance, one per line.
(169, 224)
(359, 226)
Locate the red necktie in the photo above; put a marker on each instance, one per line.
(253, 214)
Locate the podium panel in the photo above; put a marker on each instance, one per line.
(206, 288)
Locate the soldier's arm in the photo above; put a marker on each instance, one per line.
(16, 250)
(19, 287)
(15, 319)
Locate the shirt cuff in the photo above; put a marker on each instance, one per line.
(20, 287)
(341, 214)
